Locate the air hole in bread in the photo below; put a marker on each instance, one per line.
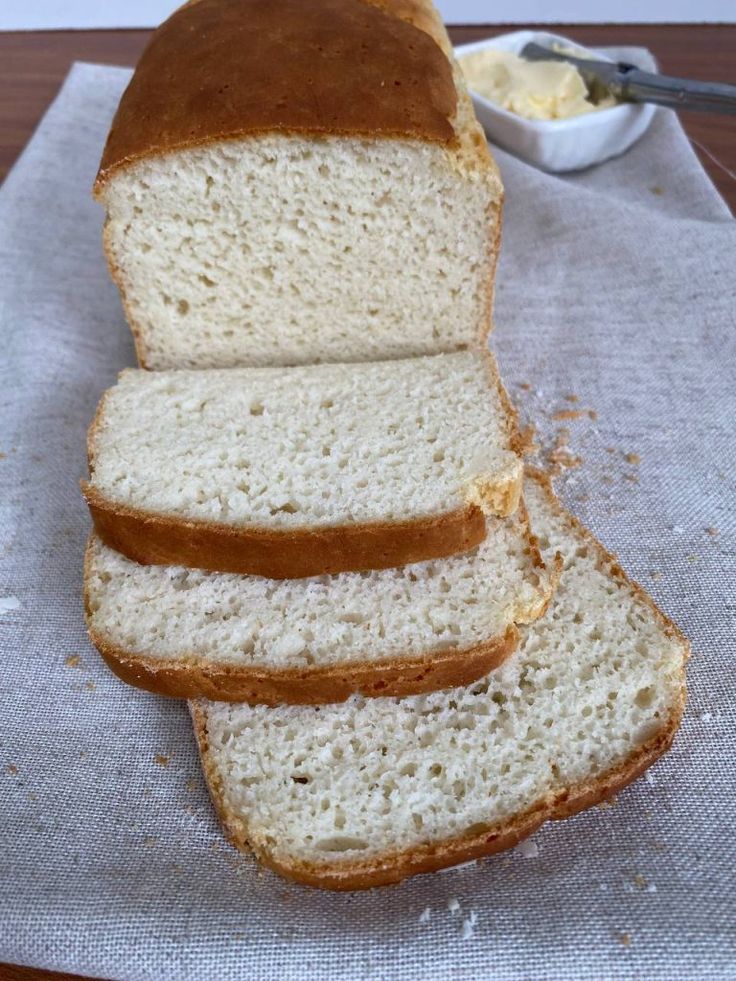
(288, 508)
(645, 697)
(341, 843)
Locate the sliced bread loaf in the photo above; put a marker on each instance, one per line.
(368, 792)
(418, 628)
(290, 472)
(289, 182)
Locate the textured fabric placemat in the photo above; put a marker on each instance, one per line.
(616, 286)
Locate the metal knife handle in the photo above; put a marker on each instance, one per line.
(630, 84)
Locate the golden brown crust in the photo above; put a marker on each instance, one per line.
(199, 677)
(420, 14)
(222, 69)
(432, 856)
(516, 442)
(155, 539)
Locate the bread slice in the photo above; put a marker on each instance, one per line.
(368, 792)
(243, 638)
(288, 182)
(291, 472)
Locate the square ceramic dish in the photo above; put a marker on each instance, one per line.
(558, 145)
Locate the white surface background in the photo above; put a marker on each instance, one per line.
(49, 14)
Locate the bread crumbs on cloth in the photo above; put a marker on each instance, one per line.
(575, 414)
(73, 661)
(527, 849)
(453, 905)
(560, 457)
(161, 759)
(563, 458)
(469, 925)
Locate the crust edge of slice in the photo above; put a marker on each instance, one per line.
(399, 676)
(151, 538)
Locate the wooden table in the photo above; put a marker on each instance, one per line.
(33, 65)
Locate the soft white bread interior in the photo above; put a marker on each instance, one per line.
(187, 632)
(312, 446)
(370, 791)
(230, 255)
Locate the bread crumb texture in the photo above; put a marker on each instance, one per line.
(229, 255)
(317, 446)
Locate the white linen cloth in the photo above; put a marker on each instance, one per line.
(615, 285)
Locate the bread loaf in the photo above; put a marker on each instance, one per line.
(370, 791)
(289, 182)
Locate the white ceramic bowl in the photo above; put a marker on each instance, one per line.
(558, 145)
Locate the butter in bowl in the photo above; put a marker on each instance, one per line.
(542, 110)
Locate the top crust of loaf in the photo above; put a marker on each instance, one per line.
(220, 69)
